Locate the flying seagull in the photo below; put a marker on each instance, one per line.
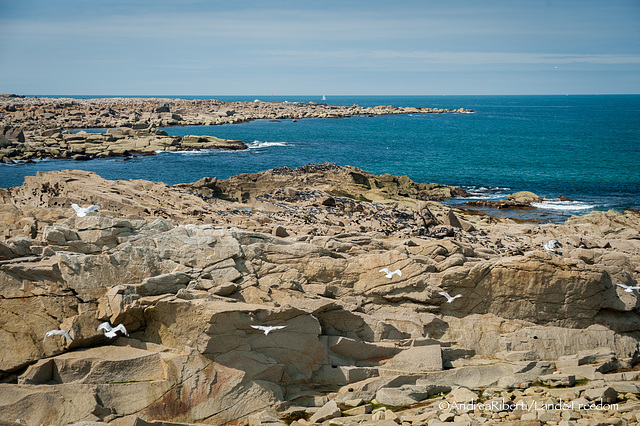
(82, 211)
(551, 245)
(389, 274)
(58, 333)
(268, 328)
(112, 332)
(449, 298)
(628, 288)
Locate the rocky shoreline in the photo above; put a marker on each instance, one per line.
(37, 128)
(536, 337)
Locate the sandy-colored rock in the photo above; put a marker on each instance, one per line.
(36, 405)
(556, 380)
(35, 127)
(407, 394)
(328, 411)
(524, 197)
(605, 395)
(463, 395)
(97, 365)
(190, 276)
(417, 359)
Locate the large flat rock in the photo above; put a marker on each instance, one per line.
(416, 359)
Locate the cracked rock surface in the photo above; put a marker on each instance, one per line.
(189, 269)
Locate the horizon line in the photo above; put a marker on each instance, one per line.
(9, 95)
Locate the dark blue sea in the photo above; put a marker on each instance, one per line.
(585, 147)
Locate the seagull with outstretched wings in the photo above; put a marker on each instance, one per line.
(268, 328)
(112, 332)
(389, 274)
(83, 211)
(449, 298)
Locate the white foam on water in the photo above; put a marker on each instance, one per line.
(193, 152)
(477, 196)
(486, 192)
(259, 144)
(556, 204)
(32, 160)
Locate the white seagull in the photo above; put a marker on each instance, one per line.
(56, 333)
(449, 298)
(628, 288)
(83, 211)
(110, 331)
(389, 274)
(268, 328)
(551, 245)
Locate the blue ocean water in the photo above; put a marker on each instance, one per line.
(585, 147)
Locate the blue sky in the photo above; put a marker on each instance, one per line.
(286, 47)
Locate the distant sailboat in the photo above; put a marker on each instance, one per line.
(324, 98)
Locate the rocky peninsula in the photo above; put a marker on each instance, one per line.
(536, 337)
(36, 128)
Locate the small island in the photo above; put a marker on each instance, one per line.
(38, 128)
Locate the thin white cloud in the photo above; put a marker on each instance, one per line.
(454, 58)
(506, 57)
(266, 24)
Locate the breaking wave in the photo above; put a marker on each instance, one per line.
(556, 204)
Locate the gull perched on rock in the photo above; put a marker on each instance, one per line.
(628, 288)
(110, 331)
(389, 274)
(551, 245)
(56, 333)
(268, 328)
(449, 298)
(83, 211)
